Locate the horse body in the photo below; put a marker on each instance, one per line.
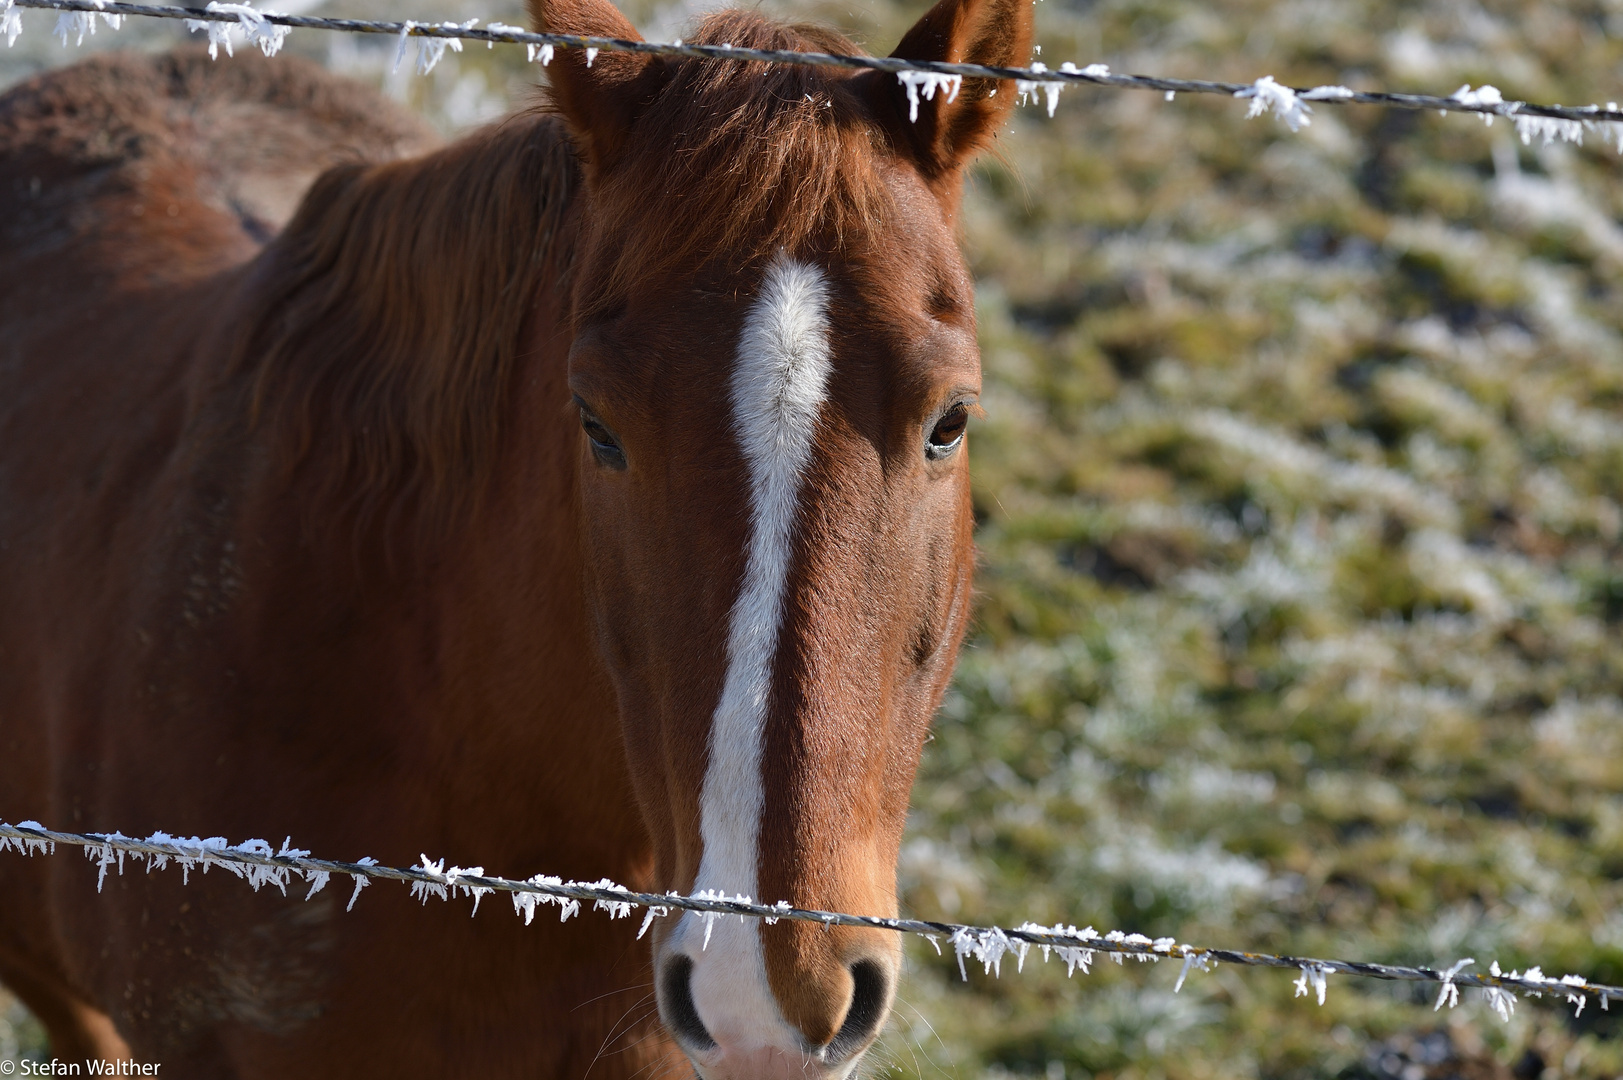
(300, 533)
(155, 583)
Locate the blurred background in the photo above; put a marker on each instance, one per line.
(1299, 494)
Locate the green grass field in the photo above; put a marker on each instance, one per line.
(1299, 488)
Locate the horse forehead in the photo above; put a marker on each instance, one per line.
(887, 316)
(895, 263)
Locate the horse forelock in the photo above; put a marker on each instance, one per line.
(736, 161)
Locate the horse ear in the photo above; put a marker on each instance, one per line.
(596, 94)
(997, 33)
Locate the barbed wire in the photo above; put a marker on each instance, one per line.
(1291, 104)
(259, 864)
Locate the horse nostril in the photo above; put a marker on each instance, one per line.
(681, 1015)
(870, 997)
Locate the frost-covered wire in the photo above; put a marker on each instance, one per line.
(260, 864)
(1289, 104)
(253, 25)
(430, 49)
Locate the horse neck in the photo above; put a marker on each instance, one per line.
(404, 359)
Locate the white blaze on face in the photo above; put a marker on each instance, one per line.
(778, 388)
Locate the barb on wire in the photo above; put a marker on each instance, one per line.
(1290, 104)
(259, 864)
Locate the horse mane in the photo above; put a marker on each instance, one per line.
(737, 160)
(385, 321)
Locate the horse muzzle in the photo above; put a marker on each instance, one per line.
(716, 1001)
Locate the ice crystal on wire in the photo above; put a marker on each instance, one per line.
(1191, 959)
(1449, 994)
(568, 906)
(422, 890)
(1021, 948)
(501, 28)
(76, 24)
(591, 54)
(526, 903)
(400, 44)
(205, 851)
(105, 855)
(1482, 95)
(454, 882)
(963, 943)
(431, 49)
(112, 20)
(1327, 93)
(1116, 937)
(710, 917)
(1073, 956)
(1140, 941)
(361, 881)
(1501, 1001)
(542, 53)
(617, 909)
(26, 845)
(254, 874)
(1267, 95)
(251, 24)
(1312, 974)
(1574, 998)
(1549, 129)
(318, 880)
(987, 945)
(1612, 127)
(11, 22)
(1029, 87)
(927, 82)
(255, 26)
(183, 855)
(654, 912)
(219, 34)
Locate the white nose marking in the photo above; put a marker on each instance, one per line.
(778, 386)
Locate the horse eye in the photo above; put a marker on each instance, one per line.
(605, 447)
(947, 433)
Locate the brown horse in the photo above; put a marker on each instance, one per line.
(587, 496)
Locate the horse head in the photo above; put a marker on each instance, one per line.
(774, 361)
